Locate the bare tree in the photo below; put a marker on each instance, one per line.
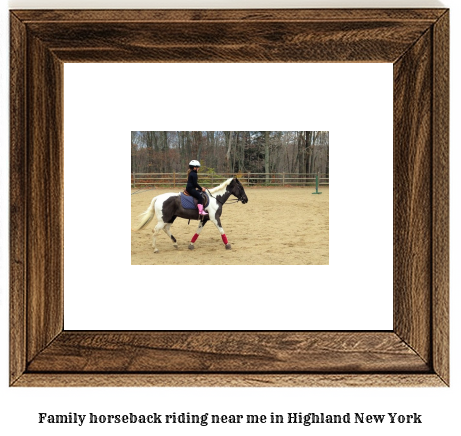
(228, 136)
(230, 151)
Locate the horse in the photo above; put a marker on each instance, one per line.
(167, 207)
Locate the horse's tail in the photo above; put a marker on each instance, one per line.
(146, 217)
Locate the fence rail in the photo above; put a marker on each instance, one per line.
(210, 180)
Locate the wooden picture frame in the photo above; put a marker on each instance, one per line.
(414, 353)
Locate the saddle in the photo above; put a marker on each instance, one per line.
(189, 202)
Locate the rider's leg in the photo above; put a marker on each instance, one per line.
(198, 196)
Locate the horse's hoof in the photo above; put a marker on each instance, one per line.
(175, 246)
(191, 247)
(156, 250)
(228, 246)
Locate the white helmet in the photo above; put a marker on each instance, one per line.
(194, 163)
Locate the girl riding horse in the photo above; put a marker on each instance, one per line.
(193, 188)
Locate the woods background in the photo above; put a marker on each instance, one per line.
(297, 152)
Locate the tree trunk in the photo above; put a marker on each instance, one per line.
(182, 164)
(310, 150)
(165, 148)
(213, 149)
(229, 147)
(197, 144)
(188, 148)
(234, 157)
(266, 157)
(301, 153)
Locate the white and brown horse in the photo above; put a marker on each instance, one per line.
(167, 207)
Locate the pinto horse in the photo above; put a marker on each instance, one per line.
(168, 207)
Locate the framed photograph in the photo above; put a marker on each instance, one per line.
(414, 353)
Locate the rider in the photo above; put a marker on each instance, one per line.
(193, 188)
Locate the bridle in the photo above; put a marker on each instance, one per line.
(227, 202)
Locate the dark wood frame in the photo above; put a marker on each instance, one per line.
(414, 353)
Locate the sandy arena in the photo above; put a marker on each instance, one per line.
(278, 226)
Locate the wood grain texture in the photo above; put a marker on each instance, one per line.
(414, 354)
(230, 380)
(441, 195)
(357, 41)
(204, 15)
(44, 169)
(236, 352)
(18, 193)
(413, 196)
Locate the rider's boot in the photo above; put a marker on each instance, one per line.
(200, 210)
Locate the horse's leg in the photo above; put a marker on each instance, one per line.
(217, 222)
(160, 225)
(201, 224)
(166, 229)
(165, 215)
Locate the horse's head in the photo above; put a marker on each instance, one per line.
(238, 191)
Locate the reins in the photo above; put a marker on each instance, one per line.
(220, 202)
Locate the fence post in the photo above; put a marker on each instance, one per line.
(174, 179)
(134, 180)
(317, 184)
(283, 179)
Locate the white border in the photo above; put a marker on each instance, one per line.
(104, 102)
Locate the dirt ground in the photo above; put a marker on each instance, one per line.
(278, 226)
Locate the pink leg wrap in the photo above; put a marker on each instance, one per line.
(194, 238)
(224, 239)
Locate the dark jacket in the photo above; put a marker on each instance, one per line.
(192, 181)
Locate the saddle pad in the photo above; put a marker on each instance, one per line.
(189, 202)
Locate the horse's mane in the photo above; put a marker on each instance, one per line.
(221, 187)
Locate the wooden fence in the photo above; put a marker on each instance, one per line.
(209, 180)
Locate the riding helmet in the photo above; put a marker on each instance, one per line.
(194, 163)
